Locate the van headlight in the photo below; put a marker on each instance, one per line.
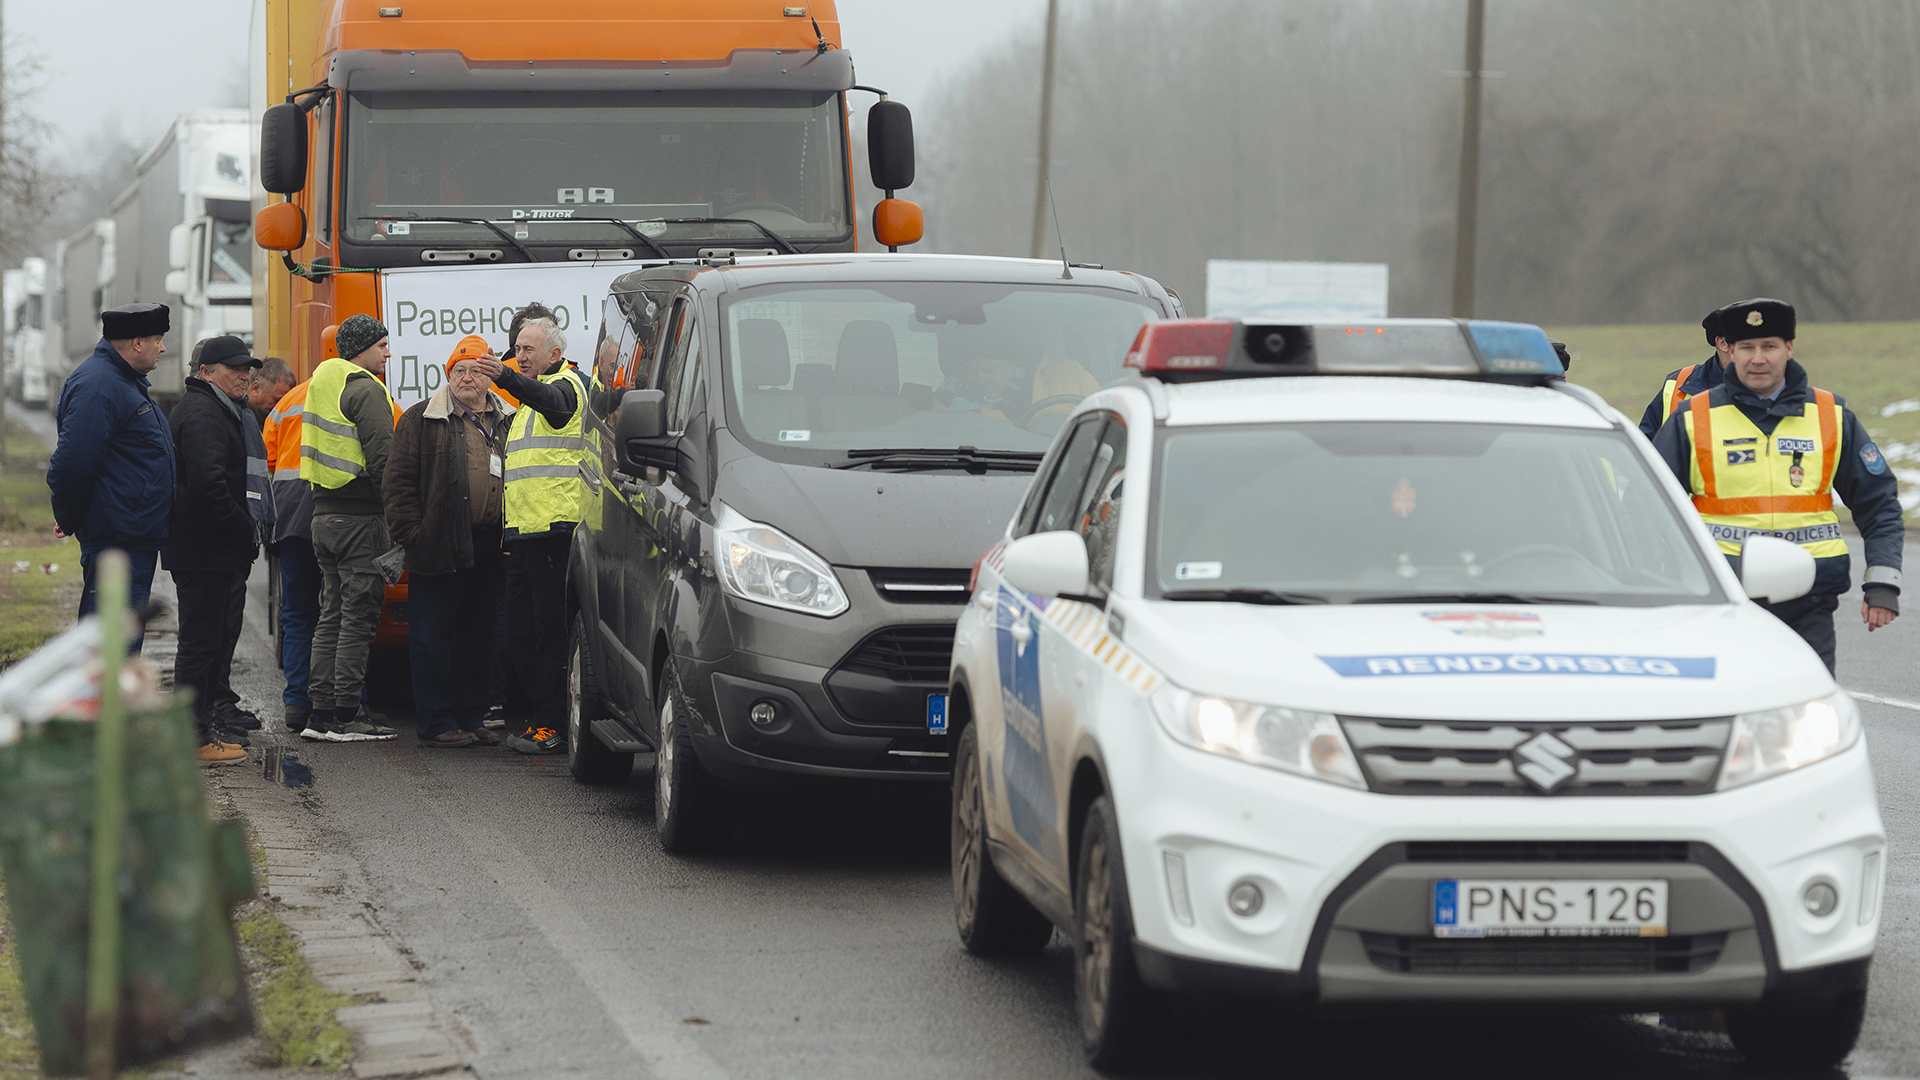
(1292, 740)
(760, 563)
(1781, 740)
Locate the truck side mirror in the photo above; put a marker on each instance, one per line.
(890, 146)
(897, 223)
(283, 149)
(179, 247)
(1775, 570)
(280, 227)
(640, 436)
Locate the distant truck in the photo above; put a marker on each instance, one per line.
(80, 275)
(26, 304)
(183, 232)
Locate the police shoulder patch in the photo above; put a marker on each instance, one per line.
(1870, 457)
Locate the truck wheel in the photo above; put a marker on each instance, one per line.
(588, 759)
(1121, 1020)
(993, 919)
(690, 812)
(1808, 1036)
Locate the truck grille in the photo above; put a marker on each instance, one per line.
(1455, 757)
(904, 654)
(1676, 955)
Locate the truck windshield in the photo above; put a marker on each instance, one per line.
(230, 254)
(817, 372)
(536, 164)
(1418, 513)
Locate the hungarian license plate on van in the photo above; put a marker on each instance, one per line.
(1473, 907)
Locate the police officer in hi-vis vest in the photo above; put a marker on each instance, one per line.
(1765, 452)
(544, 489)
(1693, 379)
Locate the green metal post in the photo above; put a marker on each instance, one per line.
(109, 819)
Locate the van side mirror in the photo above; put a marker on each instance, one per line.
(640, 436)
(1047, 564)
(283, 149)
(1774, 570)
(890, 146)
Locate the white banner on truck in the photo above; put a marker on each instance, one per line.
(428, 310)
(1295, 292)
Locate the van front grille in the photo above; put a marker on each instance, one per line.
(904, 654)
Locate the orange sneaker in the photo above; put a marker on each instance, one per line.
(221, 753)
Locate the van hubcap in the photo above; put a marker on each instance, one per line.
(663, 765)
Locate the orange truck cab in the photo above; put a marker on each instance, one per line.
(438, 164)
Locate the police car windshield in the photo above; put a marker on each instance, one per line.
(531, 162)
(819, 374)
(1374, 512)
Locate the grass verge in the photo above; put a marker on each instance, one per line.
(294, 1012)
(19, 1054)
(38, 572)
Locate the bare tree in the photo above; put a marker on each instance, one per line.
(30, 186)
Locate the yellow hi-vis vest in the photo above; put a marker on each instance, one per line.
(544, 485)
(1672, 393)
(330, 452)
(1747, 482)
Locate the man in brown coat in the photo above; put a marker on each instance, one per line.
(443, 492)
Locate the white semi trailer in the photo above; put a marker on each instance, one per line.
(183, 233)
(26, 300)
(80, 276)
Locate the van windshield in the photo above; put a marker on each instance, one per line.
(1417, 513)
(537, 165)
(920, 364)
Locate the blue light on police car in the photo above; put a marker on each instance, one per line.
(1514, 348)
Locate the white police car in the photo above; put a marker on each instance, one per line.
(1375, 663)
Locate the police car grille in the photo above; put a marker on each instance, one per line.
(904, 654)
(1676, 955)
(1647, 757)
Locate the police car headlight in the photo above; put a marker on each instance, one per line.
(1781, 740)
(760, 563)
(1292, 740)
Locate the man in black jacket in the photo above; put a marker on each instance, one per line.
(216, 533)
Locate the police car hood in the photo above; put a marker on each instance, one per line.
(1460, 662)
(856, 517)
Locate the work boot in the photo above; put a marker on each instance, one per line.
(538, 741)
(226, 734)
(236, 718)
(452, 737)
(348, 727)
(220, 753)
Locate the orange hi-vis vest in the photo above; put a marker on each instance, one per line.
(1745, 481)
(1672, 391)
(282, 433)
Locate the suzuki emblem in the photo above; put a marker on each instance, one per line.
(1543, 761)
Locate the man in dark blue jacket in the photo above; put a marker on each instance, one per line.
(112, 471)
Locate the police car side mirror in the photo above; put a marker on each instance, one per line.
(1775, 570)
(1047, 564)
(640, 434)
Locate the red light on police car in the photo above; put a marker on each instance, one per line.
(1181, 345)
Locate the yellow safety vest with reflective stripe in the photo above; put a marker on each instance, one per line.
(1672, 393)
(544, 486)
(1745, 481)
(330, 452)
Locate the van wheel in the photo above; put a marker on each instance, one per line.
(690, 812)
(993, 919)
(1120, 1018)
(588, 759)
(1808, 1036)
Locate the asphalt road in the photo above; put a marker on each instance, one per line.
(548, 924)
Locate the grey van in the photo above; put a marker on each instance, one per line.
(792, 465)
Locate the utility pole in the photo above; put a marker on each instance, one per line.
(1046, 135)
(1466, 216)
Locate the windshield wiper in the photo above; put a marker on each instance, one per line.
(631, 231)
(1244, 596)
(768, 233)
(973, 460)
(497, 230)
(1471, 598)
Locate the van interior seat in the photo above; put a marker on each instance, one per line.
(766, 365)
(868, 361)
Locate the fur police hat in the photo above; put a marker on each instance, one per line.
(1711, 324)
(1757, 318)
(135, 321)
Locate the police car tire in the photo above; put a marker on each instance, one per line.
(690, 813)
(588, 759)
(1798, 1035)
(1122, 1021)
(992, 917)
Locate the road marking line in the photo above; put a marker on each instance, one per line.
(655, 1034)
(1878, 700)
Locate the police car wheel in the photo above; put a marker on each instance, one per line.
(993, 918)
(588, 759)
(1121, 1020)
(1798, 1035)
(689, 814)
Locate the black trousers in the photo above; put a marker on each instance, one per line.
(222, 699)
(1812, 618)
(451, 619)
(206, 645)
(537, 610)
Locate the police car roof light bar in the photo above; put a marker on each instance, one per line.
(1180, 350)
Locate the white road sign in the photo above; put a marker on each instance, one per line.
(428, 311)
(1296, 292)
